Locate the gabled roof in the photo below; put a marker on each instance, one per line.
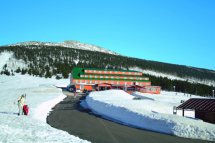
(104, 85)
(199, 104)
(137, 86)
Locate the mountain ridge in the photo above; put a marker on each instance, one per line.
(67, 44)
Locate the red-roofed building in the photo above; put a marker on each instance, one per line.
(101, 79)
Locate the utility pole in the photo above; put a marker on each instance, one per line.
(213, 93)
(174, 90)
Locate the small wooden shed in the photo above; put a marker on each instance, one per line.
(204, 108)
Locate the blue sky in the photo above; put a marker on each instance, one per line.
(172, 31)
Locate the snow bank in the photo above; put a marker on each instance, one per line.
(42, 95)
(152, 113)
(42, 111)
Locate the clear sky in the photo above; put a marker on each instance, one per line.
(172, 31)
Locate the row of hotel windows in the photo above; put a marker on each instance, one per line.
(113, 77)
(110, 82)
(113, 72)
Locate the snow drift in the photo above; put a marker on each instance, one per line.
(149, 113)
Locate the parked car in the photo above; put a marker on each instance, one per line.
(71, 88)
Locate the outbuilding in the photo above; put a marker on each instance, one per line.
(204, 108)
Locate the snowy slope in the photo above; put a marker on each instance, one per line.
(174, 77)
(4, 56)
(12, 63)
(67, 44)
(153, 113)
(42, 95)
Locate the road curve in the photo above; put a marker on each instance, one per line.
(70, 117)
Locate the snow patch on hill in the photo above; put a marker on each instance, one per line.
(173, 77)
(4, 57)
(11, 62)
(67, 44)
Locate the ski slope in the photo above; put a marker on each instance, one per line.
(42, 95)
(152, 112)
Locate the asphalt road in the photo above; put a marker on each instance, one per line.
(70, 117)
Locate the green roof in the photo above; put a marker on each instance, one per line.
(80, 71)
(77, 71)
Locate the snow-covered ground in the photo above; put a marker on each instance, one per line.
(42, 95)
(152, 112)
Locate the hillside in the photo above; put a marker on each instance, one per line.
(48, 59)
